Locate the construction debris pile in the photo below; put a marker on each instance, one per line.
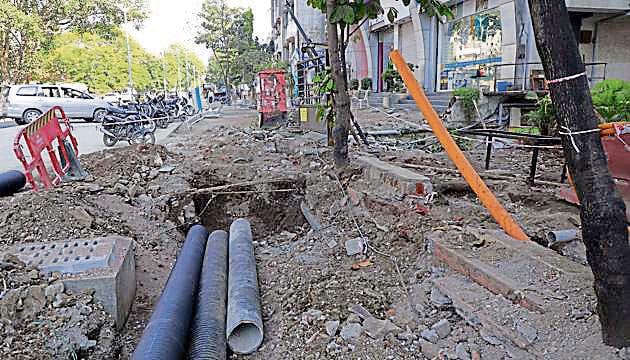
(37, 316)
(360, 264)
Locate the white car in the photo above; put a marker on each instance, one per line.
(112, 98)
(25, 103)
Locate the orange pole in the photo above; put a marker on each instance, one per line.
(473, 179)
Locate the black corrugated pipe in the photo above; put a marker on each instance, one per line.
(166, 335)
(207, 334)
(244, 320)
(11, 182)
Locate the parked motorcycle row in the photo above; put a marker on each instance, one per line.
(136, 122)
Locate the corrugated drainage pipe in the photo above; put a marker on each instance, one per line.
(166, 335)
(244, 320)
(11, 182)
(208, 327)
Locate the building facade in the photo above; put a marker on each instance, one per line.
(488, 43)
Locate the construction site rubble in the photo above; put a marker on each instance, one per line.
(350, 265)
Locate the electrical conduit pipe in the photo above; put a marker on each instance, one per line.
(166, 335)
(11, 182)
(208, 326)
(244, 330)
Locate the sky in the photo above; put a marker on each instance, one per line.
(176, 22)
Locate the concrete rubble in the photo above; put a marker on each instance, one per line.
(388, 259)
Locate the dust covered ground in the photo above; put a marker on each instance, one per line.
(318, 302)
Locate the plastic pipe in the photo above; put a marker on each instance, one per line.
(208, 327)
(11, 182)
(244, 320)
(166, 335)
(561, 236)
(487, 198)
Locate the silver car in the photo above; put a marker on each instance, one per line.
(25, 103)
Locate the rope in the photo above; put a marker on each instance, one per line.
(570, 134)
(566, 78)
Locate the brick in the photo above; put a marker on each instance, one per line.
(105, 264)
(394, 177)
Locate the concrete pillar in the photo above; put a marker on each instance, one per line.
(396, 36)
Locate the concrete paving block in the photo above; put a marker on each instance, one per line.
(105, 264)
(403, 180)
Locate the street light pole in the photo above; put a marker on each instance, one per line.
(129, 72)
(179, 75)
(164, 71)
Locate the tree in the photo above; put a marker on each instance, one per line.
(223, 31)
(603, 212)
(343, 18)
(29, 27)
(100, 62)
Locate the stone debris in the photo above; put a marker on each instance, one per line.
(439, 300)
(430, 335)
(355, 246)
(351, 331)
(331, 327)
(442, 328)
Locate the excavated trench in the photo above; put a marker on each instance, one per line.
(270, 207)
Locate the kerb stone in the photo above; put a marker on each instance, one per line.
(402, 180)
(105, 264)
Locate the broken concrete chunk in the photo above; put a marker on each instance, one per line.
(351, 331)
(528, 332)
(105, 264)
(355, 246)
(430, 335)
(377, 328)
(489, 338)
(442, 328)
(331, 327)
(439, 300)
(53, 290)
(429, 350)
(166, 169)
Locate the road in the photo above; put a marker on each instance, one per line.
(88, 137)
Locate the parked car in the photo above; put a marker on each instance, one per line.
(112, 98)
(25, 103)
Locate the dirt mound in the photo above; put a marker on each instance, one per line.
(38, 317)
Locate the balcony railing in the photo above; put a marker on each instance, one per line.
(530, 76)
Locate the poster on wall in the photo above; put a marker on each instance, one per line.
(471, 46)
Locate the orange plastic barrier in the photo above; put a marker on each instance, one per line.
(40, 135)
(473, 179)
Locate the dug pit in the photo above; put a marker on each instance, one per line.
(271, 207)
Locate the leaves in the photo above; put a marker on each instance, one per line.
(228, 32)
(101, 63)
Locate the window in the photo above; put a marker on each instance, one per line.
(482, 5)
(27, 91)
(51, 92)
(72, 93)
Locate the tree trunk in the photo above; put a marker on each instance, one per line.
(603, 215)
(342, 100)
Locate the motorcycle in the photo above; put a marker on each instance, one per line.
(124, 125)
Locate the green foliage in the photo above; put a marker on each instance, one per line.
(28, 28)
(101, 63)
(228, 32)
(366, 83)
(469, 97)
(612, 99)
(544, 117)
(354, 84)
(393, 80)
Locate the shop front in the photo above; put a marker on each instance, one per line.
(469, 47)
